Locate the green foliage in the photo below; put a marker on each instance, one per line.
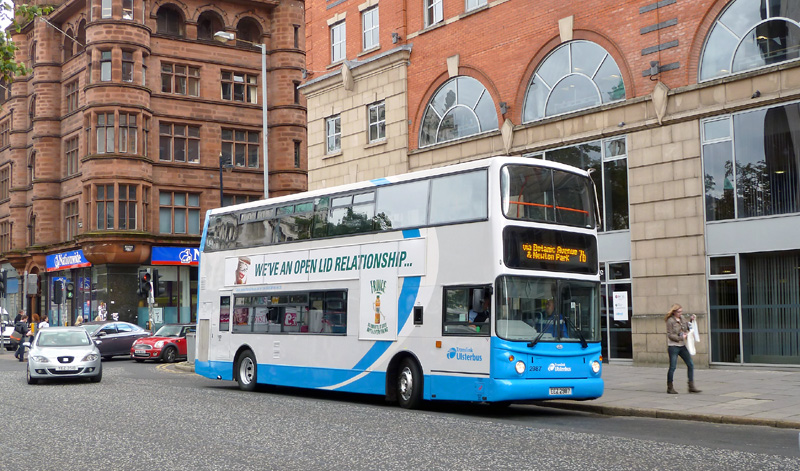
(22, 15)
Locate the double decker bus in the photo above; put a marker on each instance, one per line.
(473, 282)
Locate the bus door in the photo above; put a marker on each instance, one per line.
(220, 339)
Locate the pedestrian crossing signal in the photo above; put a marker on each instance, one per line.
(70, 290)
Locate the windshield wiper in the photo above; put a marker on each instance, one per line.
(584, 343)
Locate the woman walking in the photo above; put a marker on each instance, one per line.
(677, 331)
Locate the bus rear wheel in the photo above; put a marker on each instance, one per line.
(409, 384)
(246, 371)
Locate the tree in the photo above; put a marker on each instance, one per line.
(18, 16)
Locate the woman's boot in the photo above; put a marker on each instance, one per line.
(670, 389)
(693, 389)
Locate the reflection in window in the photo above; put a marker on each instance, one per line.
(404, 205)
(608, 159)
(304, 312)
(461, 107)
(576, 76)
(459, 197)
(751, 34)
(756, 171)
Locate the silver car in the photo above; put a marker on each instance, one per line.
(63, 352)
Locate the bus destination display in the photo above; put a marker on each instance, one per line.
(544, 249)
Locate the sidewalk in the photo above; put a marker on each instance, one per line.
(747, 396)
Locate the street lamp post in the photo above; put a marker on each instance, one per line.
(224, 36)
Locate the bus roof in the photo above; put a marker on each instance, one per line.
(367, 184)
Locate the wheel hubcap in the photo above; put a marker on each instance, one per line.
(246, 371)
(406, 384)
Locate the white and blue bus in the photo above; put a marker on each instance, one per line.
(473, 282)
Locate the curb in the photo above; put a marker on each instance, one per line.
(185, 366)
(664, 414)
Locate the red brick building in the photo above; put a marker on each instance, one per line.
(111, 149)
(687, 110)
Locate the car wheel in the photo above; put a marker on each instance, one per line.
(246, 371)
(139, 360)
(169, 355)
(28, 377)
(409, 384)
(97, 377)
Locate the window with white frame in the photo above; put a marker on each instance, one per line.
(338, 49)
(473, 4)
(433, 12)
(376, 114)
(369, 22)
(333, 134)
(461, 107)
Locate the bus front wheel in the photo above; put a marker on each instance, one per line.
(409, 384)
(246, 371)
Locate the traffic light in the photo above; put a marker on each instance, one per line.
(157, 291)
(58, 287)
(70, 290)
(3, 282)
(144, 285)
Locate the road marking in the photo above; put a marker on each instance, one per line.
(170, 368)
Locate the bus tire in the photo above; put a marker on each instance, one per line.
(246, 371)
(409, 384)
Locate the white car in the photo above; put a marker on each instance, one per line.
(8, 327)
(63, 352)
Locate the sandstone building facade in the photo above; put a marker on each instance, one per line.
(687, 110)
(111, 149)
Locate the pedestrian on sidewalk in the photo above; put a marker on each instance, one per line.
(44, 324)
(677, 331)
(22, 328)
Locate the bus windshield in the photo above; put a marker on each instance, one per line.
(559, 310)
(547, 195)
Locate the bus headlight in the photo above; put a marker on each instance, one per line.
(596, 366)
(520, 367)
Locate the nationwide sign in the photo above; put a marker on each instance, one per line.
(67, 260)
(175, 256)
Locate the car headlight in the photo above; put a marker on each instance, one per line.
(159, 344)
(91, 357)
(596, 366)
(520, 367)
(40, 359)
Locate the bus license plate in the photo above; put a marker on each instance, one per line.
(66, 368)
(560, 391)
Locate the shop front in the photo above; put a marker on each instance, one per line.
(174, 274)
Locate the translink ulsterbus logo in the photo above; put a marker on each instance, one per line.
(465, 354)
(558, 367)
(378, 287)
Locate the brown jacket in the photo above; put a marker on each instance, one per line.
(675, 330)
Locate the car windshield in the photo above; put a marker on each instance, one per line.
(558, 310)
(63, 339)
(92, 328)
(169, 331)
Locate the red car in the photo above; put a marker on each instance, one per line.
(168, 344)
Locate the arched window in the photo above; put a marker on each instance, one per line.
(575, 76)
(750, 34)
(81, 37)
(169, 20)
(248, 30)
(461, 107)
(209, 23)
(68, 45)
